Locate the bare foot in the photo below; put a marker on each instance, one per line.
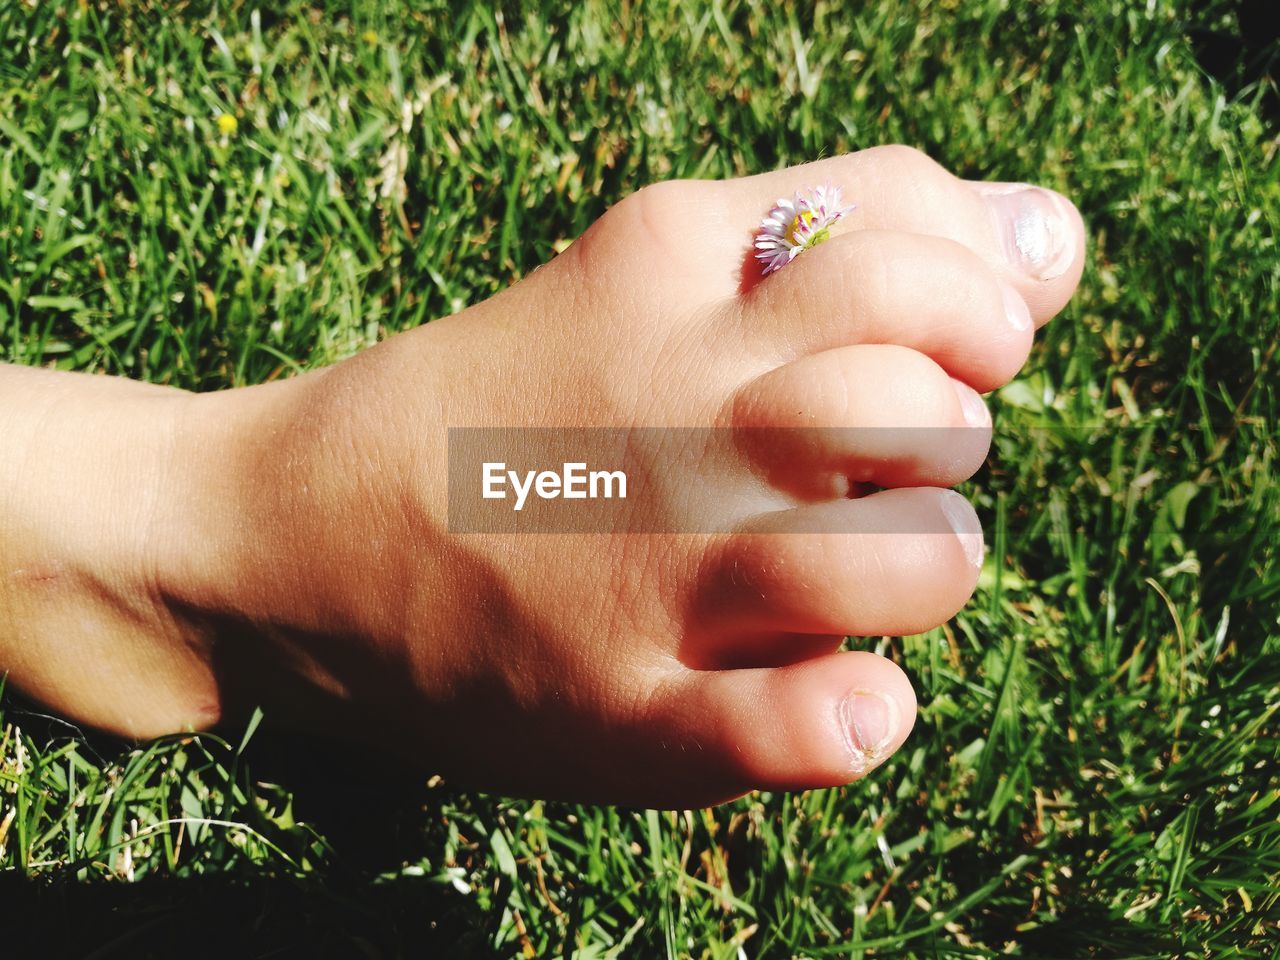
(167, 560)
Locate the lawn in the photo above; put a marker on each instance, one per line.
(209, 197)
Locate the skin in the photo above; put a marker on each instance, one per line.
(167, 560)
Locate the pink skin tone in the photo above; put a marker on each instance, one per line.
(168, 560)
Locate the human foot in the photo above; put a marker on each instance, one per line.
(299, 555)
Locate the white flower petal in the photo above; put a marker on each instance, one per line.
(791, 226)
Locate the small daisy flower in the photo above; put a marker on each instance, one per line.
(795, 225)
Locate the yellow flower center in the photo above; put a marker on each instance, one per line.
(804, 220)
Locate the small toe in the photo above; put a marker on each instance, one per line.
(928, 293)
(868, 414)
(895, 562)
(819, 723)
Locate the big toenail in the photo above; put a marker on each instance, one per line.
(965, 525)
(870, 720)
(1036, 230)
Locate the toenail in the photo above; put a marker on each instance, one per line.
(870, 720)
(1015, 308)
(965, 524)
(1036, 229)
(975, 411)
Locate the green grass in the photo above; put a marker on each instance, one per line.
(1096, 770)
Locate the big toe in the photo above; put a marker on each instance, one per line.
(1031, 237)
(1039, 240)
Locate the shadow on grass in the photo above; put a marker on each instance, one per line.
(236, 917)
(369, 812)
(1244, 56)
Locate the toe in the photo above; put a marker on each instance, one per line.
(895, 562)
(872, 413)
(1042, 238)
(875, 286)
(819, 723)
(1031, 237)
